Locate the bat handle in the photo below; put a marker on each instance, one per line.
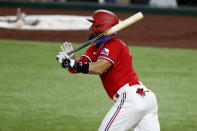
(87, 43)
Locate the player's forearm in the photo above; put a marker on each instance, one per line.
(95, 68)
(92, 68)
(99, 67)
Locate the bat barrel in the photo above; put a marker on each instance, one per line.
(134, 18)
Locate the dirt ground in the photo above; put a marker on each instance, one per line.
(154, 30)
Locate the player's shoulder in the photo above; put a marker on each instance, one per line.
(92, 47)
(115, 41)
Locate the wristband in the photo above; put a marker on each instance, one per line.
(82, 67)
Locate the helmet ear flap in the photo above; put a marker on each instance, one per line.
(97, 26)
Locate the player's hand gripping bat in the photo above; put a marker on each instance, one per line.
(134, 18)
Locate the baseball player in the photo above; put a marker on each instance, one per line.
(135, 107)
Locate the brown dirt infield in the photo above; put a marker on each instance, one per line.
(153, 30)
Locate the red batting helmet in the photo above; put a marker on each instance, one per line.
(103, 20)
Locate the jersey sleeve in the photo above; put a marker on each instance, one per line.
(110, 52)
(88, 55)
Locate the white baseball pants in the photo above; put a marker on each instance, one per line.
(132, 111)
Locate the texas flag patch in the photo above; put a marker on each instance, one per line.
(105, 51)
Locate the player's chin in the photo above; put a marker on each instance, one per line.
(92, 35)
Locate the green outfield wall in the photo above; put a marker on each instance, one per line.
(91, 6)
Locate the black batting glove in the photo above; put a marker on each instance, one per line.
(65, 63)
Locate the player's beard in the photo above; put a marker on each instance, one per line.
(92, 35)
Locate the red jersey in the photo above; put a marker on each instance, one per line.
(121, 73)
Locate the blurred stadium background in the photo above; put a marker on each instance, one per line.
(36, 94)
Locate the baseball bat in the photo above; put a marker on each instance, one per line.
(123, 24)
